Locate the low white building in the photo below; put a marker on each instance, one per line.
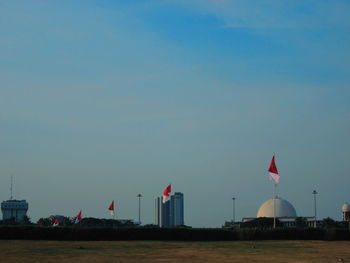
(16, 209)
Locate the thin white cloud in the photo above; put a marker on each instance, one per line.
(273, 13)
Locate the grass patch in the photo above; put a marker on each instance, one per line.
(182, 252)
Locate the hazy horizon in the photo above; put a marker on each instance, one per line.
(103, 100)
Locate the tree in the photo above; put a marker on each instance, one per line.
(329, 223)
(26, 221)
(45, 222)
(10, 221)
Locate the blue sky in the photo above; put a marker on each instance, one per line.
(101, 100)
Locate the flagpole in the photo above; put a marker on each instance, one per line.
(155, 212)
(274, 205)
(113, 214)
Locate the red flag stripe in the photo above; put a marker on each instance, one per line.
(111, 206)
(167, 190)
(273, 168)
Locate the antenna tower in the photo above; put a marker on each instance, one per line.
(11, 188)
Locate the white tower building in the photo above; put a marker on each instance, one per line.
(346, 212)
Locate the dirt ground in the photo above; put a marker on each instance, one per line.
(15, 251)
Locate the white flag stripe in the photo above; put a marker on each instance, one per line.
(166, 198)
(274, 177)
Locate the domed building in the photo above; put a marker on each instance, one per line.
(285, 213)
(283, 208)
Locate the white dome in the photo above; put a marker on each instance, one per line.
(346, 207)
(283, 208)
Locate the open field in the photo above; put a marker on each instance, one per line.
(156, 251)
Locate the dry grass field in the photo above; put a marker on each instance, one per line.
(151, 251)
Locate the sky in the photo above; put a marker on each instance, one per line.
(103, 100)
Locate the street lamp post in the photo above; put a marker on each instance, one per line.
(315, 193)
(139, 196)
(233, 210)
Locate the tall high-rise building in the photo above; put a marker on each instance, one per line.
(171, 213)
(166, 214)
(157, 211)
(177, 209)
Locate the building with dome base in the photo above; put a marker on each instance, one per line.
(285, 213)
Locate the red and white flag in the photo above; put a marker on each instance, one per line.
(166, 194)
(273, 171)
(57, 222)
(78, 218)
(111, 208)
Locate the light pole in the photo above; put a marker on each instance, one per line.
(139, 196)
(233, 210)
(315, 193)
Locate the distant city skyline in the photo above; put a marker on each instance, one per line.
(103, 100)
